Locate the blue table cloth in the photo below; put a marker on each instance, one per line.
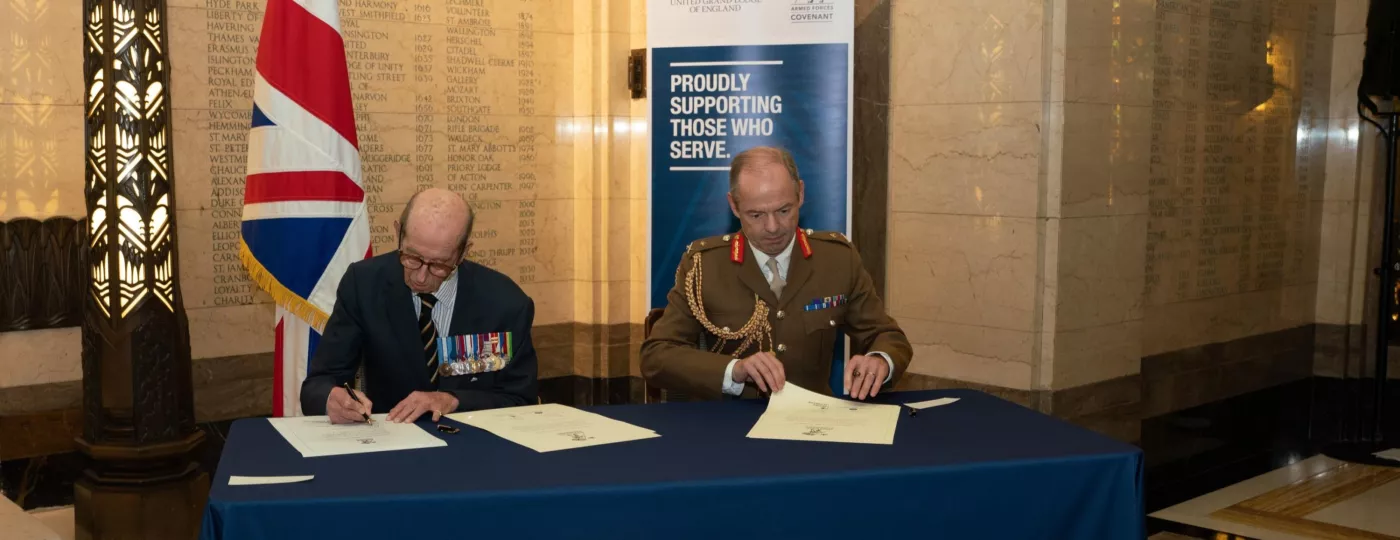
(979, 468)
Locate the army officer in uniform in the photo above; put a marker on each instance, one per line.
(764, 306)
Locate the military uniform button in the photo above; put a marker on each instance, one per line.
(809, 232)
(726, 238)
(782, 348)
(781, 314)
(832, 322)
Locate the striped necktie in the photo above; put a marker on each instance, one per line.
(428, 331)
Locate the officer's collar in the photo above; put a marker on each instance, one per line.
(785, 257)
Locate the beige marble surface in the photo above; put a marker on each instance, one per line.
(42, 42)
(40, 357)
(1106, 154)
(39, 176)
(970, 270)
(19, 525)
(231, 331)
(1350, 17)
(1197, 511)
(952, 51)
(59, 520)
(1108, 55)
(1371, 510)
(968, 159)
(1100, 353)
(1343, 181)
(1335, 261)
(1100, 271)
(1348, 51)
(963, 352)
(1180, 325)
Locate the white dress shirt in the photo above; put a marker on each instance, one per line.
(446, 295)
(784, 262)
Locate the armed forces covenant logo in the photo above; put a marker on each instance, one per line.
(812, 11)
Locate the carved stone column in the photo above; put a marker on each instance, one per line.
(138, 425)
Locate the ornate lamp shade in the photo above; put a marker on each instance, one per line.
(138, 424)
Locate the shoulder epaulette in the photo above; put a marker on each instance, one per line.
(829, 236)
(709, 243)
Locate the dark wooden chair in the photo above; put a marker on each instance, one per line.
(651, 394)
(657, 395)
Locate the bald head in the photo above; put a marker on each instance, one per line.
(436, 216)
(434, 230)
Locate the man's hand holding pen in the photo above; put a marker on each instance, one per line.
(347, 406)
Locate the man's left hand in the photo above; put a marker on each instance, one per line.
(865, 374)
(417, 403)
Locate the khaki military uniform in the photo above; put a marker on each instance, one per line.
(828, 292)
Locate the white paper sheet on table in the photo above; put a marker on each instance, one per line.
(550, 427)
(1392, 454)
(265, 480)
(316, 436)
(932, 403)
(798, 414)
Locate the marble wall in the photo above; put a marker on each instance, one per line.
(1347, 191)
(1078, 184)
(41, 144)
(1073, 185)
(538, 130)
(965, 183)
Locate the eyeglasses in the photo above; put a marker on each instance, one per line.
(412, 262)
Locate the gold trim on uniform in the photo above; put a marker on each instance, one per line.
(754, 333)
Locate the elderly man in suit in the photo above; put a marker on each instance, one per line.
(765, 305)
(435, 333)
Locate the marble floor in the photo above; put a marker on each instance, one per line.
(1318, 497)
(58, 520)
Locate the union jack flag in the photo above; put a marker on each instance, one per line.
(304, 218)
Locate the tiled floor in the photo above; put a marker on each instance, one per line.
(1313, 498)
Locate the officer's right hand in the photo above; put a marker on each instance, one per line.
(343, 410)
(762, 369)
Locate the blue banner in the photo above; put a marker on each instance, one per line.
(710, 103)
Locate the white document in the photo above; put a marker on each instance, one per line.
(316, 436)
(1393, 454)
(932, 403)
(550, 427)
(265, 480)
(798, 414)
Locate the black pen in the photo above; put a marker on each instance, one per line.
(357, 400)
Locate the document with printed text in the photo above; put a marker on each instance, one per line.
(316, 436)
(550, 427)
(798, 414)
